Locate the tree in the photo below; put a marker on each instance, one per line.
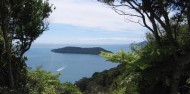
(169, 24)
(157, 13)
(21, 22)
(127, 81)
(42, 82)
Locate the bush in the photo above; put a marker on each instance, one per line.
(43, 82)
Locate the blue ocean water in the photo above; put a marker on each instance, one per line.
(72, 67)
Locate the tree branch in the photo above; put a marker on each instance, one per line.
(138, 22)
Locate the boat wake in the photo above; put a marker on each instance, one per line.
(60, 69)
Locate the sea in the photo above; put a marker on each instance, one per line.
(72, 67)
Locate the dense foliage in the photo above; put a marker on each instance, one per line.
(21, 22)
(43, 82)
(100, 83)
(163, 64)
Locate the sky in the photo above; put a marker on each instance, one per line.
(89, 22)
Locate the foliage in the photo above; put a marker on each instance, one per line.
(68, 88)
(120, 57)
(100, 83)
(148, 71)
(157, 13)
(127, 81)
(120, 80)
(43, 82)
(164, 61)
(21, 22)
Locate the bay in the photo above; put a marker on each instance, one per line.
(72, 67)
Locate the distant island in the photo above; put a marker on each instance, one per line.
(79, 50)
(143, 43)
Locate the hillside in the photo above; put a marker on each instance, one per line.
(101, 82)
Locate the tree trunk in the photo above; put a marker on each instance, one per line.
(11, 80)
(8, 53)
(155, 32)
(4, 8)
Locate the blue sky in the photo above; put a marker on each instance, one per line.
(89, 22)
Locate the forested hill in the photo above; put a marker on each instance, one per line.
(139, 44)
(79, 50)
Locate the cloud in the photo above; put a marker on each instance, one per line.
(91, 41)
(89, 13)
(89, 22)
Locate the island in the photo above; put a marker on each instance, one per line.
(79, 50)
(143, 43)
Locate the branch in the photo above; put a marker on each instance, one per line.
(121, 5)
(143, 16)
(138, 22)
(121, 12)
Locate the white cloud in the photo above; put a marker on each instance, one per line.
(89, 13)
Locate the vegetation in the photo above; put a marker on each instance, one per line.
(21, 22)
(100, 83)
(43, 82)
(120, 80)
(79, 50)
(159, 67)
(162, 66)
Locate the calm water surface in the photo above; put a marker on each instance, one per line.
(71, 66)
